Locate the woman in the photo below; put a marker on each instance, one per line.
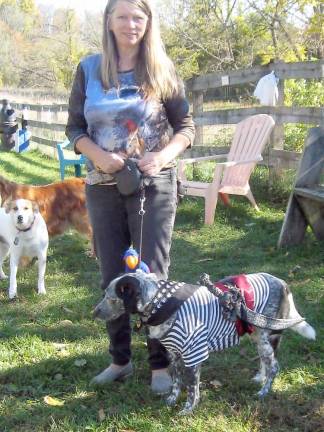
(121, 105)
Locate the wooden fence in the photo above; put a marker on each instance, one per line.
(281, 114)
(47, 122)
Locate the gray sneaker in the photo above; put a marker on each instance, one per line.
(111, 374)
(161, 382)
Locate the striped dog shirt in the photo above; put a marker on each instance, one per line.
(200, 327)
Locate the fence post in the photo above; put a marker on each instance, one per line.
(277, 137)
(197, 109)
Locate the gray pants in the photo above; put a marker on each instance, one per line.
(116, 225)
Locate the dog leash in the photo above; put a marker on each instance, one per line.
(234, 306)
(141, 214)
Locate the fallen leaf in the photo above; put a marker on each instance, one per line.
(296, 268)
(63, 353)
(60, 346)
(80, 362)
(58, 376)
(65, 322)
(49, 400)
(204, 260)
(215, 383)
(101, 415)
(67, 310)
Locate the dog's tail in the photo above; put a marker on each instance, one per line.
(303, 328)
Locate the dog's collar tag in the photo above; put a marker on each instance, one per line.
(16, 241)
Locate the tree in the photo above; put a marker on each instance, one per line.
(208, 35)
(315, 32)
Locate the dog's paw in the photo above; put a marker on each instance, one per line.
(262, 393)
(171, 400)
(41, 288)
(259, 378)
(41, 292)
(185, 411)
(3, 276)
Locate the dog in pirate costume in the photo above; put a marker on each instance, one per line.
(193, 320)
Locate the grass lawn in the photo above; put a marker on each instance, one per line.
(51, 347)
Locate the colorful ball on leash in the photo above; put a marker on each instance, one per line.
(132, 263)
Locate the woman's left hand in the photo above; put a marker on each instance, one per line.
(151, 163)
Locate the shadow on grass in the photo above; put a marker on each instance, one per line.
(31, 168)
(34, 179)
(37, 160)
(41, 315)
(25, 387)
(239, 242)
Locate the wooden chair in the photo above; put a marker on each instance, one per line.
(65, 161)
(231, 176)
(306, 203)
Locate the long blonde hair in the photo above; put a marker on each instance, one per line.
(154, 71)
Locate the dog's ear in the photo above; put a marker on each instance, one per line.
(35, 207)
(127, 288)
(7, 205)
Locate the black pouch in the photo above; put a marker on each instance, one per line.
(129, 179)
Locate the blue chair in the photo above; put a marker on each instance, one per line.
(64, 162)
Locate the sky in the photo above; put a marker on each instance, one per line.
(79, 5)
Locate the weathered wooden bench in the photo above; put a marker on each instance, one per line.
(306, 203)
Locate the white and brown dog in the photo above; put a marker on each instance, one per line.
(23, 233)
(193, 320)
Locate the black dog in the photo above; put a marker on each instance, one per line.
(190, 321)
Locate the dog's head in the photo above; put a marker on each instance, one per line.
(22, 212)
(128, 293)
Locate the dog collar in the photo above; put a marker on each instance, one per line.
(16, 241)
(166, 302)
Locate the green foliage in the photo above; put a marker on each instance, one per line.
(27, 6)
(219, 36)
(304, 93)
(201, 36)
(301, 93)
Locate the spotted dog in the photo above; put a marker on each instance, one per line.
(190, 321)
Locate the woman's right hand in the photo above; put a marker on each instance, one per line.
(104, 161)
(109, 162)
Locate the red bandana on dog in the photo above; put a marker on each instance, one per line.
(241, 282)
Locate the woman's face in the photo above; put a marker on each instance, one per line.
(128, 23)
